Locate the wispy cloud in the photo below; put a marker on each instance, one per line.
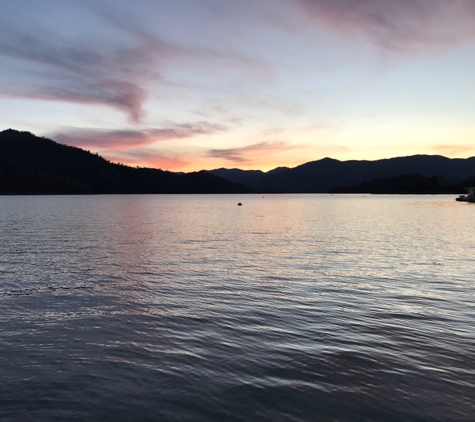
(72, 73)
(125, 139)
(400, 26)
(90, 68)
(250, 152)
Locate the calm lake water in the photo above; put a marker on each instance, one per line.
(190, 308)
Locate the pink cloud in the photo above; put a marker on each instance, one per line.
(126, 139)
(401, 26)
(124, 96)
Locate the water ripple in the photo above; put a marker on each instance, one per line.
(184, 308)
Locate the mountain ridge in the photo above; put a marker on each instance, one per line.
(35, 165)
(324, 175)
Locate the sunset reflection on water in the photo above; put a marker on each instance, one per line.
(192, 308)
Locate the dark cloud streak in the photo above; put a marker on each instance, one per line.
(124, 139)
(243, 154)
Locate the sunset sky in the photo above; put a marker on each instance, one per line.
(186, 85)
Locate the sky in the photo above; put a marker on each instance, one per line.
(186, 85)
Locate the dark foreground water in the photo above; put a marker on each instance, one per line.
(190, 308)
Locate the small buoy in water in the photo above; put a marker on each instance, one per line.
(239, 204)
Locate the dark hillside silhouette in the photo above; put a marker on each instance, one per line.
(35, 165)
(327, 174)
(237, 175)
(243, 176)
(407, 184)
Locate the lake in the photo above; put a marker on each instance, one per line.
(191, 308)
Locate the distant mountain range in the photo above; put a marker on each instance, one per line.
(328, 174)
(35, 165)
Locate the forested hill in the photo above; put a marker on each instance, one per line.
(408, 184)
(425, 174)
(33, 165)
